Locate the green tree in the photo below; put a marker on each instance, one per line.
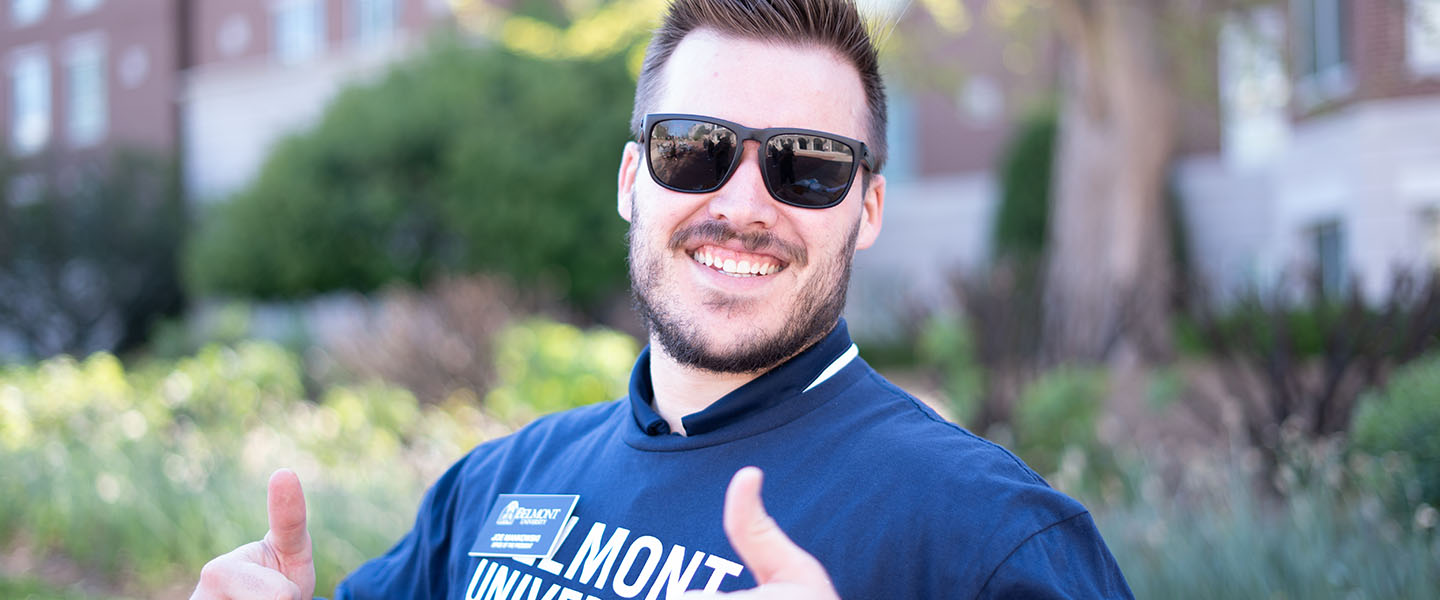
(463, 159)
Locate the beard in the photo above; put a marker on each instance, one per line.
(808, 319)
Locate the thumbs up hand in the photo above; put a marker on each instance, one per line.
(782, 569)
(279, 566)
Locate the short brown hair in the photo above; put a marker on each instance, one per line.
(831, 24)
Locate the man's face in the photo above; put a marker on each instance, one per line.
(700, 315)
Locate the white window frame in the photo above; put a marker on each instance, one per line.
(87, 117)
(1322, 51)
(30, 118)
(1422, 37)
(373, 22)
(303, 18)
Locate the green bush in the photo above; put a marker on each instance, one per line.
(461, 160)
(91, 266)
(1404, 418)
(146, 474)
(546, 367)
(1055, 427)
(1025, 172)
(945, 345)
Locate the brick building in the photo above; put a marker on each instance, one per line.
(1332, 153)
(213, 82)
(84, 78)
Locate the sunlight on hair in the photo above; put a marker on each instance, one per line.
(882, 16)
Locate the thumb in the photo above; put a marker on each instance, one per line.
(285, 502)
(764, 548)
(289, 539)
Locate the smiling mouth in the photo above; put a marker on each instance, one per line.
(736, 266)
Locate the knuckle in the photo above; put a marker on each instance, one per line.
(213, 572)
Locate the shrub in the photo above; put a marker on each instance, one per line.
(545, 367)
(148, 473)
(1404, 418)
(1262, 342)
(461, 160)
(945, 346)
(434, 342)
(1218, 536)
(1055, 426)
(91, 266)
(1025, 170)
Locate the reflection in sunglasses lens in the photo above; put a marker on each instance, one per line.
(690, 155)
(808, 170)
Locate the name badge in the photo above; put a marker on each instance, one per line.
(524, 525)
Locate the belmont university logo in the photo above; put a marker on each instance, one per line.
(526, 516)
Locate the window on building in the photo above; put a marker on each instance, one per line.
(1254, 88)
(1422, 37)
(299, 30)
(373, 20)
(1322, 49)
(87, 109)
(25, 12)
(1328, 238)
(1430, 233)
(29, 102)
(81, 6)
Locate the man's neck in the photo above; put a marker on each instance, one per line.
(682, 390)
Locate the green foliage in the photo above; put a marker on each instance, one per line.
(945, 345)
(1055, 426)
(149, 473)
(1327, 537)
(1404, 418)
(1025, 173)
(31, 589)
(546, 367)
(1301, 330)
(462, 160)
(92, 265)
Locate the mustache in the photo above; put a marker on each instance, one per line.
(719, 232)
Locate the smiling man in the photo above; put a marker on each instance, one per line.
(754, 178)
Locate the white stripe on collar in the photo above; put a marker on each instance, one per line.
(835, 366)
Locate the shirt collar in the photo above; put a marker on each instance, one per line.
(793, 377)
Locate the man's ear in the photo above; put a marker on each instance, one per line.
(629, 169)
(872, 212)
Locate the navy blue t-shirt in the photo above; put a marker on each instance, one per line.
(893, 500)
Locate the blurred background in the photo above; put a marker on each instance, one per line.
(1180, 255)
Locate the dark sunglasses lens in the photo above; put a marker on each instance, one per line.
(691, 156)
(808, 170)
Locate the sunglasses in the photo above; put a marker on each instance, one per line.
(801, 167)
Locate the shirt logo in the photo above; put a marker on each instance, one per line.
(524, 525)
(526, 516)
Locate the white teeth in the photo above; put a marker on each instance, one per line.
(729, 266)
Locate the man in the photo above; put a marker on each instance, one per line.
(739, 269)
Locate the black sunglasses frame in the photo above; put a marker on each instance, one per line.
(762, 137)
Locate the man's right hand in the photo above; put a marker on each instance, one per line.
(277, 567)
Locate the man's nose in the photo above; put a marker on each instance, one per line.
(743, 200)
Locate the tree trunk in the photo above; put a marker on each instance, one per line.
(1109, 269)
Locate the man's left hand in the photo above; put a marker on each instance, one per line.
(782, 569)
